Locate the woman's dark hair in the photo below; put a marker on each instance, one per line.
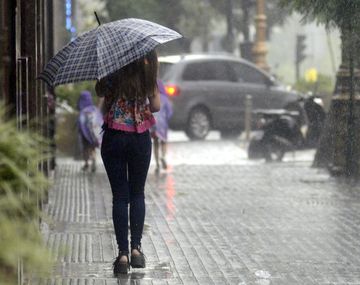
(136, 80)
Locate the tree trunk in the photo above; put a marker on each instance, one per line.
(337, 149)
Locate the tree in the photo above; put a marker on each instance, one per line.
(177, 15)
(337, 149)
(86, 19)
(275, 15)
(197, 20)
(192, 18)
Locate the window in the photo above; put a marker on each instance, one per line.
(248, 74)
(211, 70)
(164, 68)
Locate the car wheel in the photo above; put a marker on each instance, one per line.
(230, 133)
(199, 124)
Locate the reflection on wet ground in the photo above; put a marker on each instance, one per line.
(212, 218)
(170, 195)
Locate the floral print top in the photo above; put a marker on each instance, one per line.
(130, 116)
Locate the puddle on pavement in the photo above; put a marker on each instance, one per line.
(317, 180)
(153, 270)
(264, 277)
(263, 282)
(158, 271)
(262, 274)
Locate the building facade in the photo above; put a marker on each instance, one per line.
(26, 43)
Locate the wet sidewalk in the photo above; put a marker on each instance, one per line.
(279, 223)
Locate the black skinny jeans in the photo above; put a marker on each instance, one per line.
(126, 158)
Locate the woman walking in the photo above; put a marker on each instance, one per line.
(160, 130)
(131, 95)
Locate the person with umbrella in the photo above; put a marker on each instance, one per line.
(131, 95)
(121, 56)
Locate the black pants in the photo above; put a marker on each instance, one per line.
(126, 157)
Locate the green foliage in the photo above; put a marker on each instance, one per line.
(331, 12)
(324, 85)
(165, 12)
(71, 92)
(343, 15)
(191, 18)
(67, 134)
(198, 19)
(275, 15)
(66, 138)
(21, 186)
(86, 14)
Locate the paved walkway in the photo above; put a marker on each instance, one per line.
(279, 223)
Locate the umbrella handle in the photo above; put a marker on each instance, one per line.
(97, 18)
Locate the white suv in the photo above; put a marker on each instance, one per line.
(209, 91)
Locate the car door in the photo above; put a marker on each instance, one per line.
(211, 78)
(248, 81)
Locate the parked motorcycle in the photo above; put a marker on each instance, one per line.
(280, 131)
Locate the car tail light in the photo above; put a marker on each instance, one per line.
(172, 90)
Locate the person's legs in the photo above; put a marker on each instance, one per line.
(93, 159)
(113, 152)
(138, 165)
(156, 153)
(163, 154)
(85, 152)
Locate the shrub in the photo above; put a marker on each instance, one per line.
(71, 92)
(21, 186)
(324, 87)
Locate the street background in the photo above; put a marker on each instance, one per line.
(212, 218)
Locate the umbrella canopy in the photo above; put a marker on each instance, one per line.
(105, 49)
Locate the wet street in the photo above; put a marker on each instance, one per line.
(213, 217)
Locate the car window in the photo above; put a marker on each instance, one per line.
(248, 74)
(164, 68)
(210, 70)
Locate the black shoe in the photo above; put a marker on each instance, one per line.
(85, 167)
(121, 267)
(137, 261)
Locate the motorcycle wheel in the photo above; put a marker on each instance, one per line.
(274, 153)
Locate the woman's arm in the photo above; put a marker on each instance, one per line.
(155, 102)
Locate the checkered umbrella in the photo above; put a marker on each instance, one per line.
(105, 49)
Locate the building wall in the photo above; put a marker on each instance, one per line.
(7, 50)
(25, 38)
(61, 36)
